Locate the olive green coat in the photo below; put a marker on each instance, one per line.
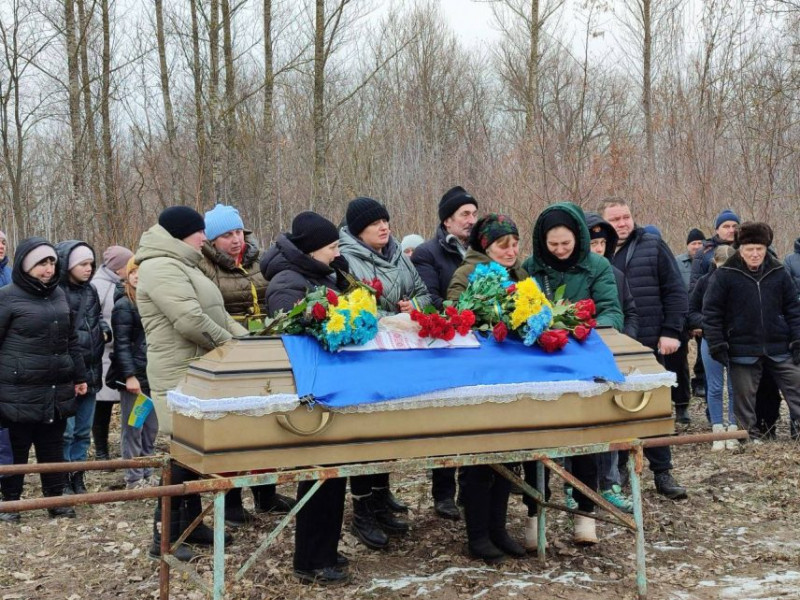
(182, 310)
(472, 259)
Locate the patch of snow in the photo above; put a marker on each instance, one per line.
(743, 588)
(665, 547)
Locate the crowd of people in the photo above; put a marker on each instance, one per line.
(76, 337)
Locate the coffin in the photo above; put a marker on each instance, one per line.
(222, 421)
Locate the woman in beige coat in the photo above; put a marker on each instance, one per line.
(184, 317)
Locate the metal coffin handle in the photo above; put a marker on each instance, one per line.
(326, 418)
(646, 397)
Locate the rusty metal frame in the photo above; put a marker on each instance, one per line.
(220, 485)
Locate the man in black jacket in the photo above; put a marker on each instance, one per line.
(751, 321)
(661, 305)
(436, 260)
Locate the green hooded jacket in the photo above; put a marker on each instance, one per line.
(591, 277)
(182, 311)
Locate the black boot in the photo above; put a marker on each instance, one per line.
(78, 484)
(100, 427)
(267, 500)
(365, 527)
(497, 519)
(682, 414)
(387, 520)
(667, 486)
(68, 489)
(62, 512)
(9, 517)
(235, 514)
(477, 502)
(391, 502)
(183, 552)
(202, 535)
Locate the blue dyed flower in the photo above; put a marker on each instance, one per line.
(536, 325)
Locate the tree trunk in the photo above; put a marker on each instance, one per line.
(74, 88)
(230, 176)
(532, 88)
(112, 206)
(320, 136)
(268, 199)
(88, 110)
(199, 121)
(169, 116)
(213, 102)
(647, 74)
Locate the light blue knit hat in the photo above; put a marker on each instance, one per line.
(222, 219)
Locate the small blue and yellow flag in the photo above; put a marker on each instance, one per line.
(141, 408)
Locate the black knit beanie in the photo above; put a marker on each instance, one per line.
(695, 235)
(181, 221)
(311, 231)
(362, 212)
(453, 199)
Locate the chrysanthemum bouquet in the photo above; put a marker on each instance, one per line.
(502, 307)
(336, 320)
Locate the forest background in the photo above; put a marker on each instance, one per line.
(111, 110)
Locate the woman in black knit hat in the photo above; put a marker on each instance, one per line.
(300, 261)
(372, 252)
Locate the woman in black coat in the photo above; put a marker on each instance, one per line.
(129, 370)
(296, 264)
(41, 368)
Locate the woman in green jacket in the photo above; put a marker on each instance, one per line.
(562, 257)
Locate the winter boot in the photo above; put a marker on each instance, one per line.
(718, 445)
(794, 429)
(235, 514)
(267, 500)
(62, 512)
(498, 534)
(387, 520)
(78, 484)
(682, 414)
(202, 535)
(732, 444)
(532, 534)
(389, 500)
(667, 486)
(9, 517)
(68, 489)
(365, 527)
(585, 533)
(477, 514)
(183, 552)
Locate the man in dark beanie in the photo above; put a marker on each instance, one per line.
(694, 242)
(753, 288)
(184, 317)
(436, 260)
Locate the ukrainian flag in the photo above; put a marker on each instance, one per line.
(141, 408)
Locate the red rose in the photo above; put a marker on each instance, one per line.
(553, 340)
(581, 332)
(451, 311)
(332, 298)
(318, 312)
(511, 289)
(417, 316)
(500, 331)
(376, 285)
(585, 305)
(583, 315)
(591, 323)
(467, 318)
(448, 333)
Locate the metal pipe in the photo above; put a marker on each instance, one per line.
(635, 464)
(87, 465)
(541, 543)
(166, 504)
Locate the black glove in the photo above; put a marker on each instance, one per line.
(796, 354)
(720, 354)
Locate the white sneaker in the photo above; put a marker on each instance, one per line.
(532, 534)
(732, 444)
(585, 533)
(718, 445)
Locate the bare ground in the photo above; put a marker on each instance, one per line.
(737, 536)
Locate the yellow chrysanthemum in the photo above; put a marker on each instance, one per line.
(335, 321)
(528, 301)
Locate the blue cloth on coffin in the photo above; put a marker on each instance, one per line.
(347, 378)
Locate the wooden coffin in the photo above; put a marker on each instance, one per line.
(317, 436)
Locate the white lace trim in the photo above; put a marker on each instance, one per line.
(256, 406)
